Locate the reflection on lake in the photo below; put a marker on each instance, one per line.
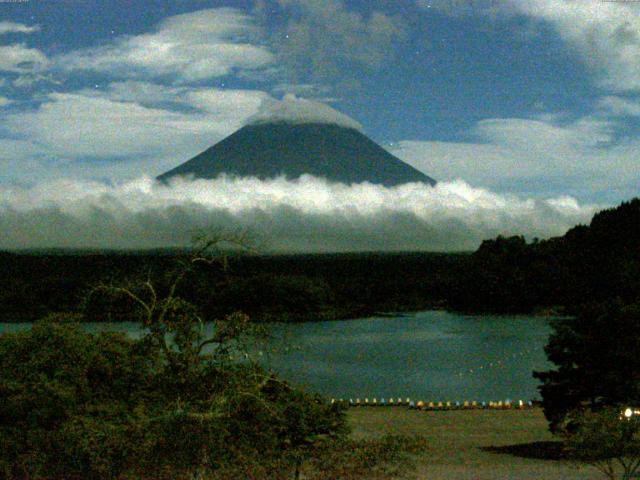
(431, 355)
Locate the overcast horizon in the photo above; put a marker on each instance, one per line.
(527, 113)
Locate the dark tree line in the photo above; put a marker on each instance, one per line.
(593, 263)
(284, 287)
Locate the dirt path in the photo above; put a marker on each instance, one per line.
(475, 444)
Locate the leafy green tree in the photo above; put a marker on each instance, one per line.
(68, 401)
(171, 404)
(213, 400)
(596, 360)
(607, 440)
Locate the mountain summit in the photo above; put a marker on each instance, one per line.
(294, 137)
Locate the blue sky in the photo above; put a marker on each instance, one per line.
(538, 98)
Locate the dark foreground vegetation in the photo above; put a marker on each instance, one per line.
(81, 406)
(169, 405)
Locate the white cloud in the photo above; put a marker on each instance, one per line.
(144, 93)
(527, 134)
(28, 80)
(19, 58)
(306, 90)
(462, 7)
(229, 107)
(533, 155)
(308, 215)
(619, 106)
(126, 121)
(189, 47)
(323, 40)
(604, 34)
(12, 27)
(11, 148)
(78, 124)
(299, 110)
(22, 160)
(232, 107)
(4, 101)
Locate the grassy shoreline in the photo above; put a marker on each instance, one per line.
(474, 444)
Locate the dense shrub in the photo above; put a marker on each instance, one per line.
(77, 405)
(606, 439)
(68, 401)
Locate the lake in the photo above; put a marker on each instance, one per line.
(432, 355)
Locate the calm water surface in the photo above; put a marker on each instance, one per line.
(430, 355)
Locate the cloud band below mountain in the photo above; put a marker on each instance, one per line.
(305, 215)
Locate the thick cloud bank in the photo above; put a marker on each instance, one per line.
(306, 215)
(292, 109)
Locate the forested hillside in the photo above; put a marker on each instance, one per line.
(285, 287)
(591, 263)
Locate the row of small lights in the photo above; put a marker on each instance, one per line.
(421, 405)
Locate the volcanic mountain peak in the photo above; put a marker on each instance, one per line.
(294, 137)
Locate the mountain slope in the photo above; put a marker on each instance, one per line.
(324, 150)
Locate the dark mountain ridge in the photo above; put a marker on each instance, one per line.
(269, 150)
